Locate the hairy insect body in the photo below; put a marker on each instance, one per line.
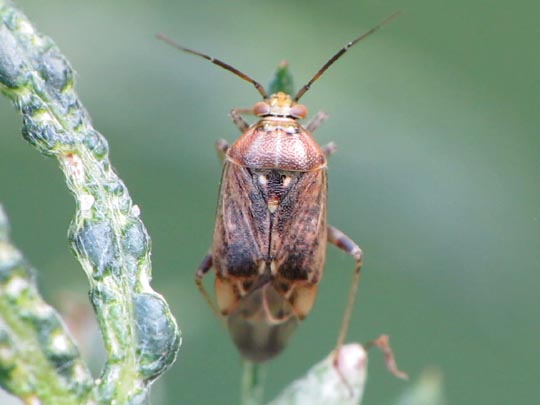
(270, 234)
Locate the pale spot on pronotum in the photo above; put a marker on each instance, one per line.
(86, 202)
(290, 129)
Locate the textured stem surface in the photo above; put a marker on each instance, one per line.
(140, 334)
(38, 358)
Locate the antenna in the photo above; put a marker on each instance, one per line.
(334, 58)
(215, 61)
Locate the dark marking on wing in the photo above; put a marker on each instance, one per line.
(241, 233)
(299, 228)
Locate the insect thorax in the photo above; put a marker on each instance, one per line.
(277, 143)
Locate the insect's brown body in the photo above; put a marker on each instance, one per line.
(270, 235)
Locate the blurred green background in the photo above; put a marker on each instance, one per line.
(436, 176)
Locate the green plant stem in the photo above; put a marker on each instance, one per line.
(140, 334)
(38, 357)
(253, 379)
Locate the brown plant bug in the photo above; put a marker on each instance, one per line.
(270, 235)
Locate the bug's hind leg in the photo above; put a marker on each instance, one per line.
(342, 241)
(203, 269)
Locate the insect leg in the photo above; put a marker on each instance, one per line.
(316, 121)
(236, 115)
(329, 148)
(222, 147)
(342, 241)
(314, 124)
(203, 269)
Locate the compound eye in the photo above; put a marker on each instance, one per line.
(261, 108)
(299, 111)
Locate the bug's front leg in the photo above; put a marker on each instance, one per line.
(316, 121)
(203, 269)
(236, 116)
(314, 124)
(342, 241)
